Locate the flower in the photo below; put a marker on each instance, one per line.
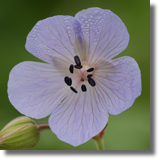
(80, 83)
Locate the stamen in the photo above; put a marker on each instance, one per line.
(79, 75)
(83, 87)
(73, 89)
(78, 67)
(77, 83)
(75, 77)
(91, 82)
(90, 70)
(77, 60)
(89, 75)
(84, 74)
(71, 68)
(68, 81)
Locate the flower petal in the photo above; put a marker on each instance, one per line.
(104, 33)
(81, 116)
(119, 83)
(35, 89)
(55, 37)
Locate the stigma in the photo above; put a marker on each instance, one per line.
(81, 75)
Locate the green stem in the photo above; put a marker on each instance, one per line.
(99, 143)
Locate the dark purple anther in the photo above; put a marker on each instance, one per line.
(90, 70)
(83, 87)
(78, 67)
(91, 82)
(89, 75)
(73, 90)
(71, 68)
(77, 60)
(68, 81)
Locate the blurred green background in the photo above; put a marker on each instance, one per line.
(128, 131)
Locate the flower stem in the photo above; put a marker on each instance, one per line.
(43, 126)
(99, 139)
(99, 143)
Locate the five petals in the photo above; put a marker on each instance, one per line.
(38, 89)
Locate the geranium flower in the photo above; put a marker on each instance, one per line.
(80, 84)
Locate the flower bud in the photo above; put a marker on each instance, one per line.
(20, 133)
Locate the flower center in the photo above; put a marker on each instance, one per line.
(80, 74)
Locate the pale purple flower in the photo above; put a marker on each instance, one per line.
(80, 83)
